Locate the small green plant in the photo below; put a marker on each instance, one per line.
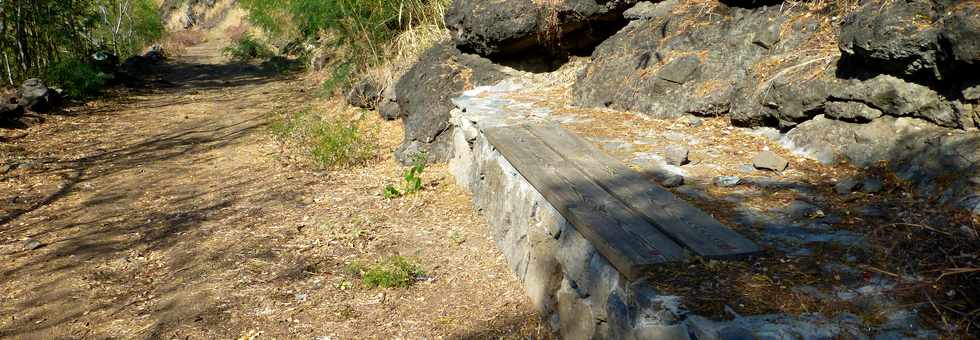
(78, 79)
(392, 272)
(412, 178)
(247, 49)
(331, 143)
(457, 237)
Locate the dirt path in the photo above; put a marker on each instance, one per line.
(169, 212)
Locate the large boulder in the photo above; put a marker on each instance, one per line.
(498, 29)
(424, 94)
(899, 98)
(895, 37)
(34, 96)
(667, 67)
(961, 30)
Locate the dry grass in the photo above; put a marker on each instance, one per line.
(549, 15)
(403, 51)
(235, 32)
(175, 43)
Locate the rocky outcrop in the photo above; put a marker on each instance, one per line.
(900, 37)
(424, 94)
(933, 159)
(672, 60)
(961, 32)
(543, 29)
(899, 98)
(913, 58)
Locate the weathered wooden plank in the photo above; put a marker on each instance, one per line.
(626, 239)
(686, 224)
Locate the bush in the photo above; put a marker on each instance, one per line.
(247, 49)
(78, 79)
(331, 143)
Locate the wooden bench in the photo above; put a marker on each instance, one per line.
(630, 220)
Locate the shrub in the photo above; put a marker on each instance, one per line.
(393, 272)
(342, 144)
(247, 49)
(331, 143)
(78, 79)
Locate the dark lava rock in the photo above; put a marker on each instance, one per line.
(365, 94)
(868, 185)
(897, 37)
(851, 111)
(105, 61)
(494, 29)
(768, 160)
(424, 95)
(666, 67)
(897, 97)
(786, 101)
(961, 31)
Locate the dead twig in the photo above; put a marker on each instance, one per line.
(881, 271)
(923, 226)
(957, 271)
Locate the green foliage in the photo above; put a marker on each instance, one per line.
(331, 143)
(412, 178)
(339, 76)
(78, 79)
(247, 49)
(40, 34)
(362, 27)
(393, 272)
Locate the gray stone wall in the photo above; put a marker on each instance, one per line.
(574, 288)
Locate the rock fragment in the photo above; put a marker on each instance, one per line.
(727, 181)
(768, 160)
(677, 155)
